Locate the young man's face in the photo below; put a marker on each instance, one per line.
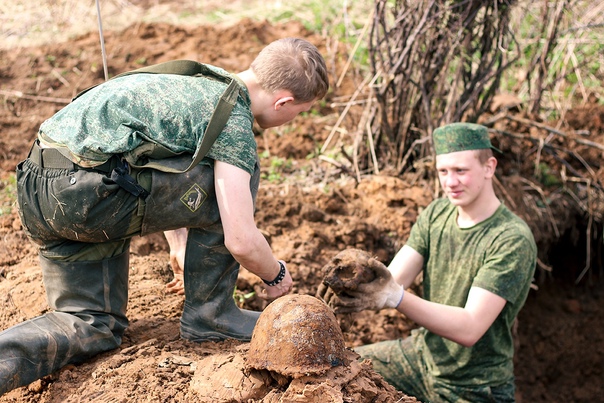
(463, 177)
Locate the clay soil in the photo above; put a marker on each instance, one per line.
(308, 209)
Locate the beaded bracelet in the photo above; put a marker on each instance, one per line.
(279, 277)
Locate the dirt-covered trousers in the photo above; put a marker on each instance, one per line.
(83, 221)
(64, 209)
(401, 363)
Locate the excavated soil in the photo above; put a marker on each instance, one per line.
(309, 212)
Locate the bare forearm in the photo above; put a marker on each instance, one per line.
(177, 238)
(254, 253)
(450, 322)
(406, 265)
(242, 238)
(463, 325)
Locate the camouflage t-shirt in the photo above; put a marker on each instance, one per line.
(172, 110)
(498, 255)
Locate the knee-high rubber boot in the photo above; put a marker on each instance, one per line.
(210, 276)
(89, 301)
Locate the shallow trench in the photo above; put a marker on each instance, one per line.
(560, 346)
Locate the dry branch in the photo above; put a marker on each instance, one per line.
(529, 122)
(20, 94)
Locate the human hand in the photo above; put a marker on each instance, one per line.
(354, 281)
(278, 290)
(177, 240)
(177, 284)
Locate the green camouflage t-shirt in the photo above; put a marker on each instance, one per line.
(169, 109)
(498, 255)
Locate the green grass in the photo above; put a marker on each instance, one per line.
(278, 168)
(575, 63)
(8, 194)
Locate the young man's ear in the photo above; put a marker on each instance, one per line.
(281, 98)
(490, 165)
(283, 101)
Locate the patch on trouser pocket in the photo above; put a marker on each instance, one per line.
(194, 198)
(179, 200)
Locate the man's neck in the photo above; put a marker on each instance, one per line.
(479, 211)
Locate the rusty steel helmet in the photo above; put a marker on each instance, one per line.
(297, 335)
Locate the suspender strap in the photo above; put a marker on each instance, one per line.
(180, 67)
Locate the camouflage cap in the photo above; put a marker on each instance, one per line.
(461, 137)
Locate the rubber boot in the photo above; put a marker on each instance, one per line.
(89, 301)
(210, 276)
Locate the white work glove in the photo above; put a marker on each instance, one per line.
(354, 281)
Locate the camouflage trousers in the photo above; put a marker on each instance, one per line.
(401, 363)
(82, 214)
(83, 220)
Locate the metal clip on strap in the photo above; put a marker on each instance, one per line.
(121, 176)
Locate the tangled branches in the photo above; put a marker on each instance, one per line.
(434, 62)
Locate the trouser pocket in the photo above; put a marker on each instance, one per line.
(179, 200)
(63, 204)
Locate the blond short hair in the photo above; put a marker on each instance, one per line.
(484, 154)
(294, 65)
